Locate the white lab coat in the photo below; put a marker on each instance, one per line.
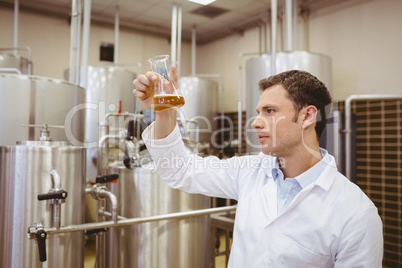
(330, 223)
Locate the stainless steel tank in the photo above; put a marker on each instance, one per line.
(201, 97)
(106, 87)
(24, 174)
(170, 243)
(11, 61)
(260, 67)
(36, 100)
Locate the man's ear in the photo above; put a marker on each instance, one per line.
(310, 116)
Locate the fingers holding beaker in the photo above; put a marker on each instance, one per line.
(166, 94)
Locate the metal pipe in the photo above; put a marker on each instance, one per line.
(132, 221)
(258, 36)
(348, 124)
(193, 52)
(305, 13)
(103, 193)
(240, 97)
(239, 104)
(295, 25)
(56, 182)
(174, 34)
(179, 26)
(134, 115)
(56, 205)
(16, 15)
(262, 37)
(78, 43)
(73, 41)
(85, 43)
(116, 36)
(56, 215)
(288, 19)
(274, 8)
(108, 214)
(104, 137)
(103, 152)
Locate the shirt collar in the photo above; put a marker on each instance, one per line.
(311, 175)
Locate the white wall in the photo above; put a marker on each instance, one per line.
(363, 39)
(365, 44)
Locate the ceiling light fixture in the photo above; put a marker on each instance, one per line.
(202, 2)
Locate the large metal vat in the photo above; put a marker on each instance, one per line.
(11, 61)
(201, 97)
(170, 243)
(24, 174)
(260, 67)
(106, 87)
(35, 100)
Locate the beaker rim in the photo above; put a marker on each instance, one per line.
(158, 58)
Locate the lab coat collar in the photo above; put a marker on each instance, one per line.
(324, 181)
(327, 177)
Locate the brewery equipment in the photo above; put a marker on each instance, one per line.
(109, 90)
(36, 100)
(53, 172)
(261, 67)
(141, 193)
(201, 96)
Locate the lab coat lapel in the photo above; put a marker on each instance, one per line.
(299, 197)
(271, 196)
(324, 181)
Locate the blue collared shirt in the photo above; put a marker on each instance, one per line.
(288, 188)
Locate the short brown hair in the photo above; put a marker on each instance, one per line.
(303, 89)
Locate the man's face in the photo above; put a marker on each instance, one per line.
(278, 132)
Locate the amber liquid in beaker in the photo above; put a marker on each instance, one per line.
(166, 101)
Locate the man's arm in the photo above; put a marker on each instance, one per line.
(361, 243)
(165, 122)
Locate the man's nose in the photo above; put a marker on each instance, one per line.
(258, 123)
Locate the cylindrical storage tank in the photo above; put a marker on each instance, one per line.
(106, 87)
(11, 61)
(170, 243)
(35, 100)
(24, 174)
(201, 97)
(260, 67)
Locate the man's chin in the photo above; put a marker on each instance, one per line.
(268, 151)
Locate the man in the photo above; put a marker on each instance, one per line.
(294, 208)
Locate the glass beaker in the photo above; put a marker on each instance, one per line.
(166, 94)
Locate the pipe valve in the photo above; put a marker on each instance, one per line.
(56, 195)
(38, 233)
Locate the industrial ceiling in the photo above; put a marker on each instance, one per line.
(214, 21)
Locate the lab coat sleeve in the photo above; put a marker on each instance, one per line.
(188, 172)
(361, 242)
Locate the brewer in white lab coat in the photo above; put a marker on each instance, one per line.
(294, 208)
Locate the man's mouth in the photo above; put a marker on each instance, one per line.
(262, 137)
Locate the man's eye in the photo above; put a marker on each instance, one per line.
(270, 111)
